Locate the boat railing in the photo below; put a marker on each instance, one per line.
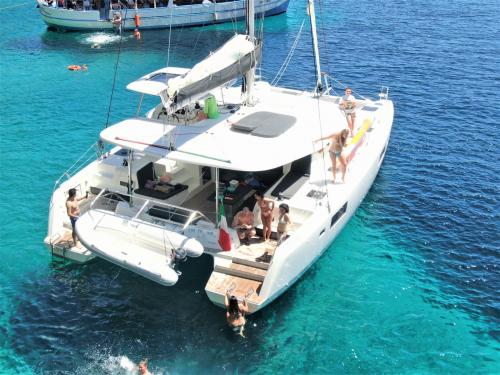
(155, 213)
(79, 164)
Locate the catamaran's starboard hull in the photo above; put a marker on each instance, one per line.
(295, 256)
(156, 18)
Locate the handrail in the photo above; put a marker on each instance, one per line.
(326, 76)
(75, 167)
(96, 198)
(190, 214)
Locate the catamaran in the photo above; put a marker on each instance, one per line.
(173, 179)
(101, 15)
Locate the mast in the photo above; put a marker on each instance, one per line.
(312, 16)
(250, 75)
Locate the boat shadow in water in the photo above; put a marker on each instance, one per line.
(122, 313)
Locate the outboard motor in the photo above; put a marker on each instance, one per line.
(178, 256)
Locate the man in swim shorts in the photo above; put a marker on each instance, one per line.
(73, 210)
(243, 223)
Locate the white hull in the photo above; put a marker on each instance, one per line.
(155, 18)
(317, 219)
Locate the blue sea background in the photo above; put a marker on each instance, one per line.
(410, 286)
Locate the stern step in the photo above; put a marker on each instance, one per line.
(243, 271)
(219, 283)
(251, 263)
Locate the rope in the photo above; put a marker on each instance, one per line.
(287, 60)
(116, 70)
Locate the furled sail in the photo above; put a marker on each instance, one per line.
(232, 60)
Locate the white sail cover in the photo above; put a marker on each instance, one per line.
(236, 57)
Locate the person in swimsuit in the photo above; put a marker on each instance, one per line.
(142, 368)
(243, 223)
(338, 142)
(73, 210)
(283, 222)
(235, 314)
(266, 214)
(348, 105)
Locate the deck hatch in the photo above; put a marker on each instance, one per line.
(265, 124)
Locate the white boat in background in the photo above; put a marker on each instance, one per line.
(155, 194)
(95, 15)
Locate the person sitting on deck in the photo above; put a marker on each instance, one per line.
(73, 211)
(235, 314)
(348, 105)
(243, 223)
(284, 222)
(338, 142)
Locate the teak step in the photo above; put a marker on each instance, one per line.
(220, 283)
(251, 263)
(241, 270)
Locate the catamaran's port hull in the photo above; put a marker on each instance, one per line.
(156, 18)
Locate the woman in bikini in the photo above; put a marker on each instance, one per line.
(266, 214)
(283, 222)
(235, 313)
(338, 142)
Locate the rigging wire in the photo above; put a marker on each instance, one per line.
(169, 35)
(261, 37)
(322, 152)
(343, 86)
(288, 58)
(116, 70)
(323, 34)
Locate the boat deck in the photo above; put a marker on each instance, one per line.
(242, 271)
(63, 247)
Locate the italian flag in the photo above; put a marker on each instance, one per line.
(224, 237)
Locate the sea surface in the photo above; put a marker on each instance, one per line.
(412, 284)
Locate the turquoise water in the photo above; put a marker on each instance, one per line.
(410, 286)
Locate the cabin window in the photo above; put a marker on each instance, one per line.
(338, 214)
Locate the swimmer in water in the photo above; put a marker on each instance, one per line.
(142, 369)
(235, 314)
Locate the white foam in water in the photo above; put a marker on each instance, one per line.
(127, 364)
(101, 39)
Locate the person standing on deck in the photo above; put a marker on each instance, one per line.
(73, 210)
(266, 214)
(348, 105)
(337, 144)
